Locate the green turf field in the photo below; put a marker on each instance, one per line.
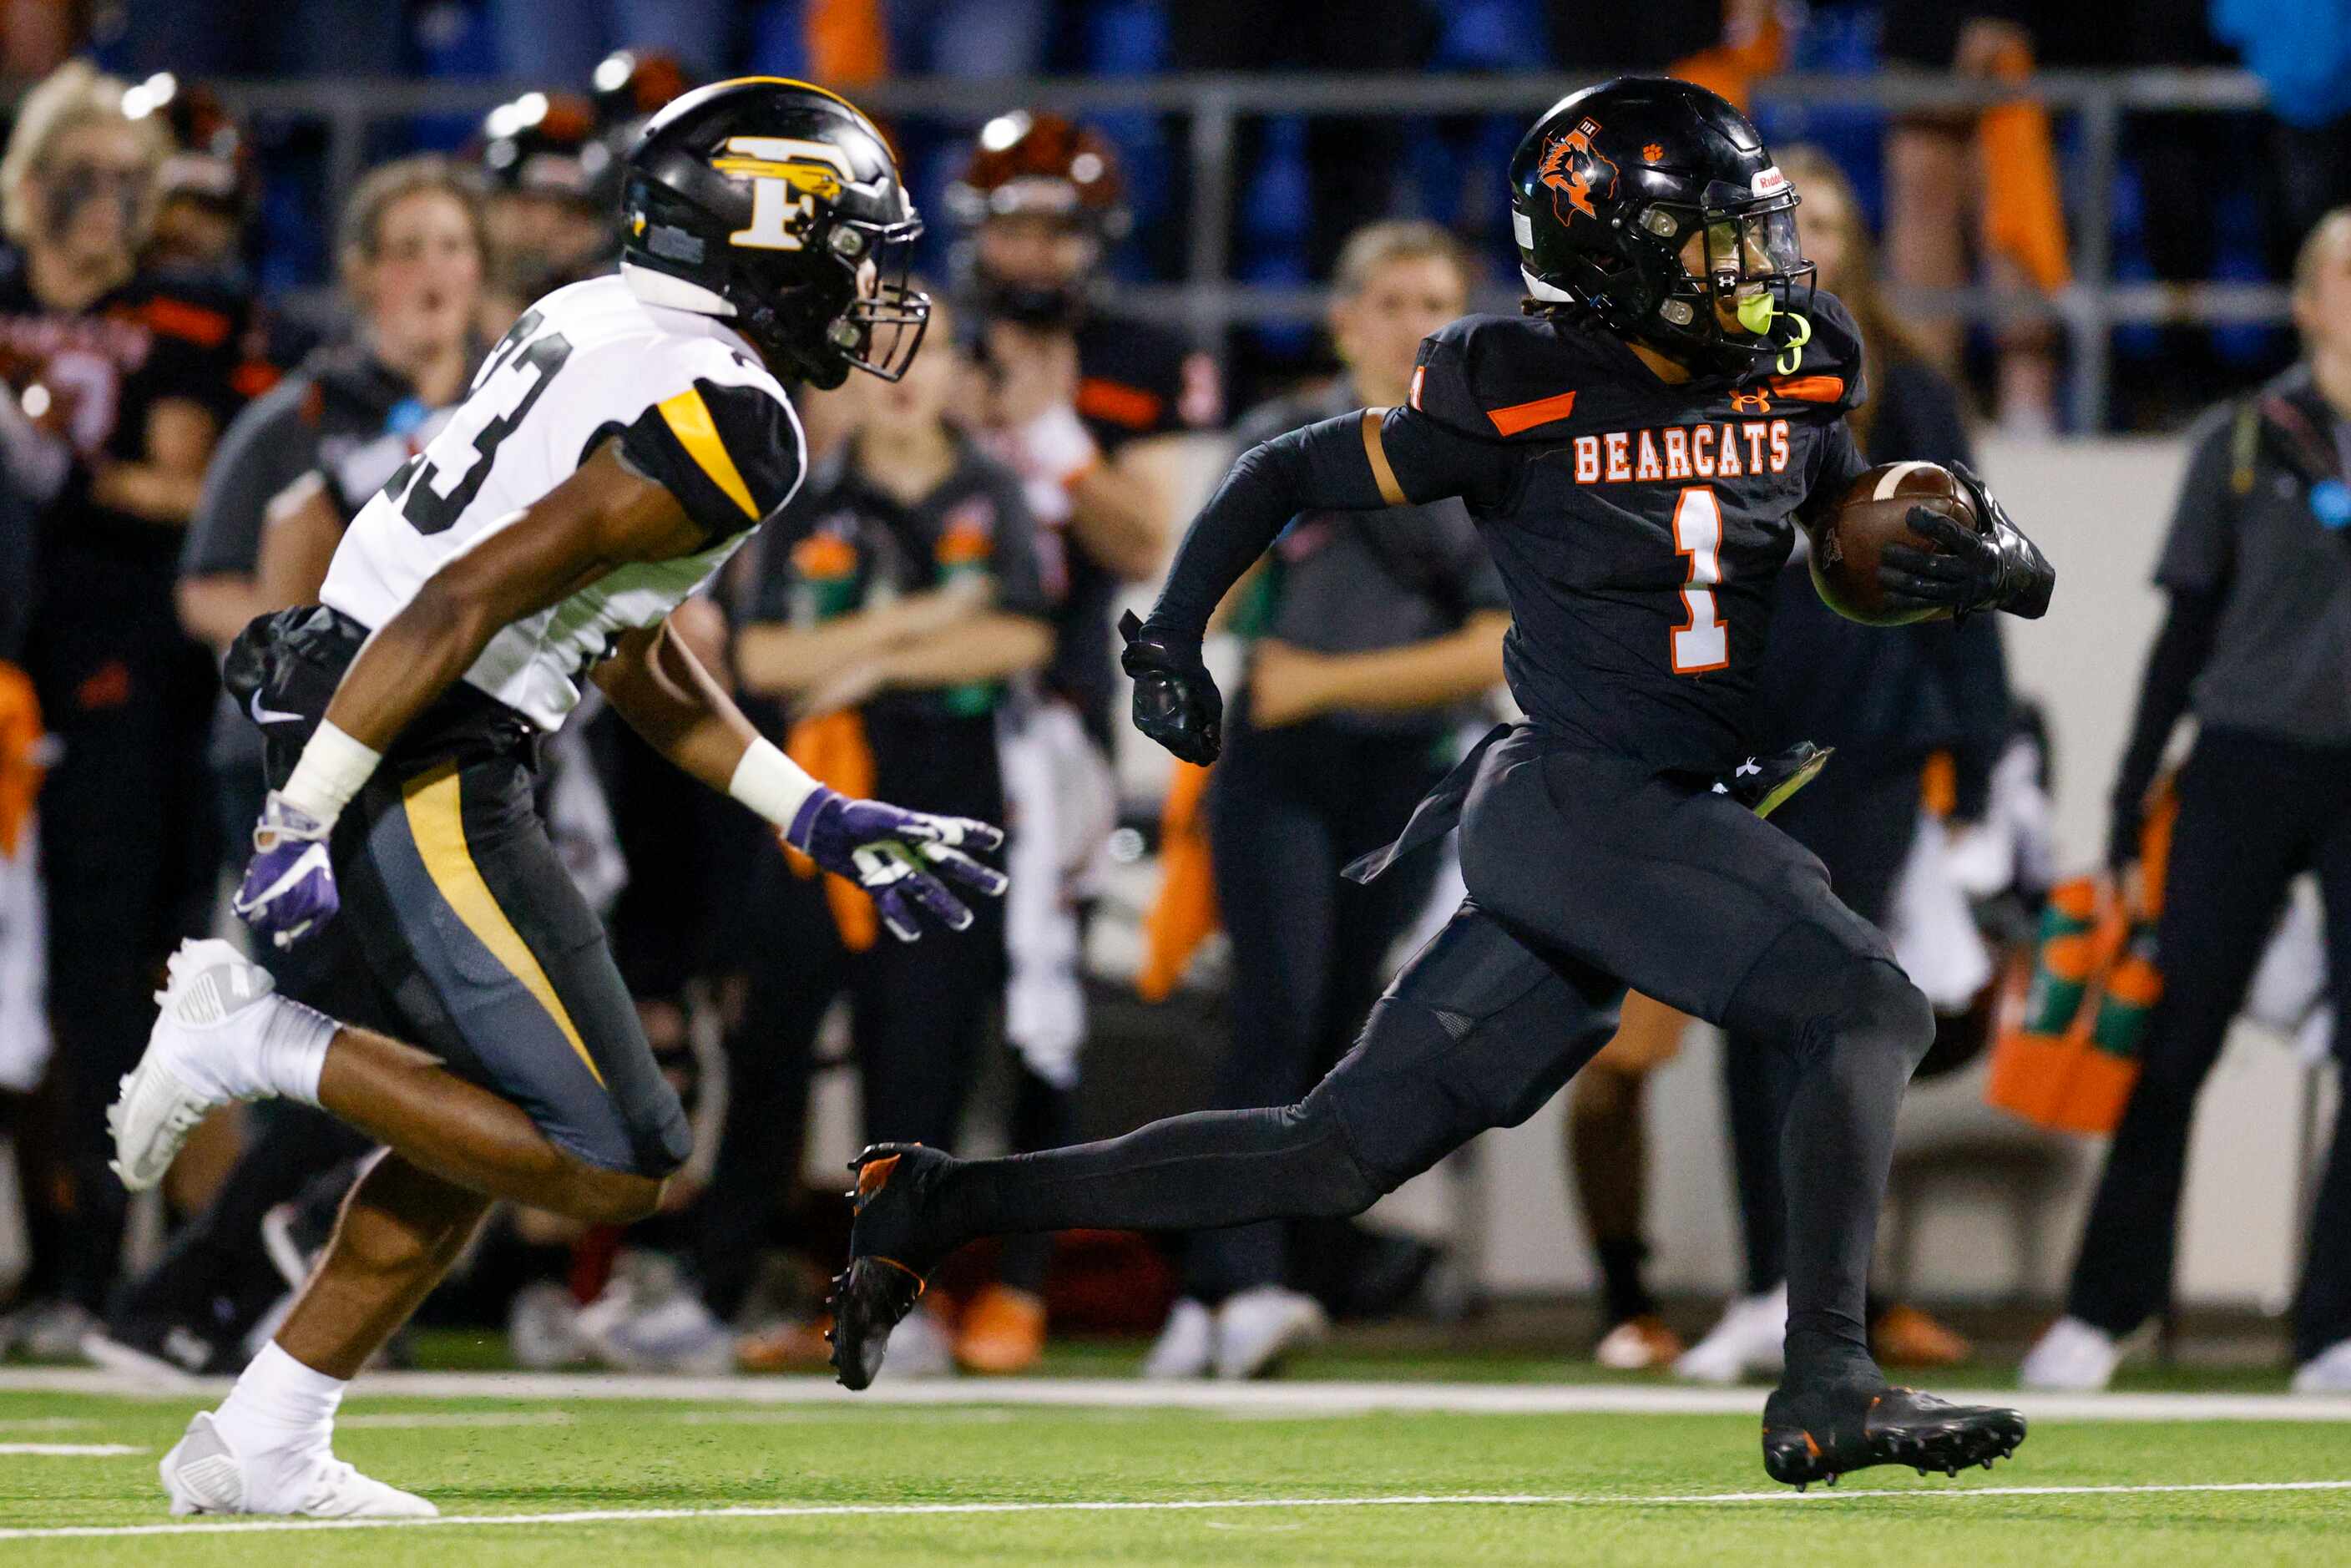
(895, 1483)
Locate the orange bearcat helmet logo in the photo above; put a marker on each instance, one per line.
(1571, 169)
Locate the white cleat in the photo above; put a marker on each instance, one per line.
(1187, 1346)
(204, 1475)
(1259, 1326)
(1749, 1340)
(2071, 1357)
(210, 1013)
(2328, 1372)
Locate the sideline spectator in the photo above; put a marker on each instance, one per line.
(1089, 408)
(1372, 636)
(118, 383)
(2258, 646)
(1935, 181)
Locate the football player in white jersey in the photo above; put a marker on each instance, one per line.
(623, 439)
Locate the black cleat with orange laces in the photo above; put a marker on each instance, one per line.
(1824, 1430)
(888, 1260)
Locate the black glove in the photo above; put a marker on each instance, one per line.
(1996, 570)
(1177, 702)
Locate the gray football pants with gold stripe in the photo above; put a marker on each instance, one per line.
(496, 965)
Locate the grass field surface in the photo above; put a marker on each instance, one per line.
(1307, 1472)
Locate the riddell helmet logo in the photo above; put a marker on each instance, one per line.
(1573, 170)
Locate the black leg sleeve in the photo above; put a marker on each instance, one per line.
(1858, 1029)
(1476, 1033)
(1756, 1077)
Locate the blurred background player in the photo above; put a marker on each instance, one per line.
(119, 382)
(1370, 637)
(886, 625)
(1083, 403)
(1088, 407)
(2257, 646)
(293, 468)
(552, 183)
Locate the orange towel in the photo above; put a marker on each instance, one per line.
(2074, 1015)
(847, 42)
(20, 765)
(1186, 911)
(2024, 217)
(1732, 67)
(834, 750)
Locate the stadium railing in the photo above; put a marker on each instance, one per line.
(1213, 106)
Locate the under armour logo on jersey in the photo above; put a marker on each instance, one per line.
(1747, 769)
(1756, 401)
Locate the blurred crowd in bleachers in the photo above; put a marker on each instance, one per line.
(210, 370)
(2197, 196)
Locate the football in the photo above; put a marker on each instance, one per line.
(1874, 513)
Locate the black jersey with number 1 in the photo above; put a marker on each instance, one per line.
(1637, 523)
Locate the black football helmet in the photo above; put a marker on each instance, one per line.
(779, 205)
(1608, 187)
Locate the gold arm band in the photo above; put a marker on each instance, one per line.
(1382, 474)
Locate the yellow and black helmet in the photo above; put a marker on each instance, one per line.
(780, 206)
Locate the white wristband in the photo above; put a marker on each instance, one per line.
(333, 768)
(772, 783)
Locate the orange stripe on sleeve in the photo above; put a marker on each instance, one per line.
(1810, 388)
(1527, 416)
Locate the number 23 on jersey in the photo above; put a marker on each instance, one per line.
(1705, 642)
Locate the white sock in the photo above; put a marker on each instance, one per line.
(294, 1040)
(279, 1404)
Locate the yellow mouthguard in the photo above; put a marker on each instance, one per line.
(1755, 313)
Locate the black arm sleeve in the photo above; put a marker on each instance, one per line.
(1323, 467)
(1841, 464)
(2179, 652)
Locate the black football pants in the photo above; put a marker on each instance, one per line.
(1587, 872)
(2254, 812)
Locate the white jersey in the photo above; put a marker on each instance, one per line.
(692, 408)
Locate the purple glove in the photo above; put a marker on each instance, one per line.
(890, 852)
(290, 885)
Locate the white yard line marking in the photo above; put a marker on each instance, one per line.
(1173, 1505)
(70, 1451)
(1103, 1394)
(979, 1415)
(48, 1424)
(459, 1418)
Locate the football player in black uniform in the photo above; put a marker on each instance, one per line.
(1637, 449)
